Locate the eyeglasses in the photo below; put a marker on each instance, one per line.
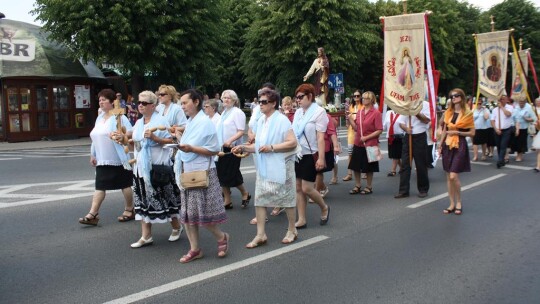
(300, 97)
(206, 106)
(357, 96)
(263, 101)
(145, 103)
(163, 94)
(454, 96)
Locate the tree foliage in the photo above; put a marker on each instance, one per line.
(282, 41)
(175, 40)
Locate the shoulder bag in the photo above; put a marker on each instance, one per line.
(195, 179)
(373, 152)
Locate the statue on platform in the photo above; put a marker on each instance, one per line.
(321, 69)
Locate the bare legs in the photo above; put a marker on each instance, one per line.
(192, 232)
(99, 197)
(227, 194)
(454, 190)
(538, 159)
(395, 163)
(303, 189)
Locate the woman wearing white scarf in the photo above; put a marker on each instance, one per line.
(112, 168)
(200, 207)
(159, 204)
(276, 180)
(309, 125)
(230, 130)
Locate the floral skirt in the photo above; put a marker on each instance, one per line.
(202, 207)
(159, 205)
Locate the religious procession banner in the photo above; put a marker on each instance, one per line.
(519, 82)
(404, 63)
(492, 54)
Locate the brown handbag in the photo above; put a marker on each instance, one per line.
(195, 179)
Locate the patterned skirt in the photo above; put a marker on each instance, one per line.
(202, 207)
(159, 205)
(456, 160)
(272, 194)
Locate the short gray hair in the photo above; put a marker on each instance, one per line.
(233, 96)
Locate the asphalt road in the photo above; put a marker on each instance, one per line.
(375, 249)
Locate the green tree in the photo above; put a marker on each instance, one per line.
(176, 40)
(282, 41)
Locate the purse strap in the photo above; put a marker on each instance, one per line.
(307, 142)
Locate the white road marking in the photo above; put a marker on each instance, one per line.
(145, 294)
(10, 158)
(438, 197)
(506, 166)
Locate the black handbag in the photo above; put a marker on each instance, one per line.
(161, 175)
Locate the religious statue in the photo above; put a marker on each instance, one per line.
(321, 69)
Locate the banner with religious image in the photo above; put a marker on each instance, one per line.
(492, 54)
(519, 76)
(404, 63)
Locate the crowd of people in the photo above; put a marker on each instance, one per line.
(187, 152)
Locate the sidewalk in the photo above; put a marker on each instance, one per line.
(43, 144)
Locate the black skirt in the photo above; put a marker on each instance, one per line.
(481, 136)
(394, 149)
(228, 170)
(305, 168)
(520, 141)
(491, 137)
(113, 178)
(359, 161)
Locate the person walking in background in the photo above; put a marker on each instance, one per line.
(112, 168)
(153, 203)
(394, 133)
(368, 125)
(309, 125)
(230, 130)
(354, 107)
(210, 109)
(481, 125)
(168, 108)
(501, 121)
(458, 124)
(522, 115)
(203, 206)
(275, 158)
(536, 139)
(417, 126)
(287, 108)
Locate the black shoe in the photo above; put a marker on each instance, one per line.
(302, 227)
(401, 195)
(245, 202)
(229, 206)
(499, 165)
(422, 194)
(325, 221)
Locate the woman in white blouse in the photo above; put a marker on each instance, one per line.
(309, 125)
(112, 168)
(230, 130)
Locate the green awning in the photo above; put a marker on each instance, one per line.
(26, 52)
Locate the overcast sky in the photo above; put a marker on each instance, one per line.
(20, 9)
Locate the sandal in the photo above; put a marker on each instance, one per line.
(458, 211)
(366, 191)
(355, 190)
(448, 210)
(277, 211)
(245, 202)
(483, 158)
(333, 181)
(257, 241)
(391, 173)
(254, 221)
(223, 245)
(347, 178)
(191, 255)
(290, 237)
(127, 218)
(93, 221)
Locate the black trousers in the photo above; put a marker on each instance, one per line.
(419, 149)
(502, 141)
